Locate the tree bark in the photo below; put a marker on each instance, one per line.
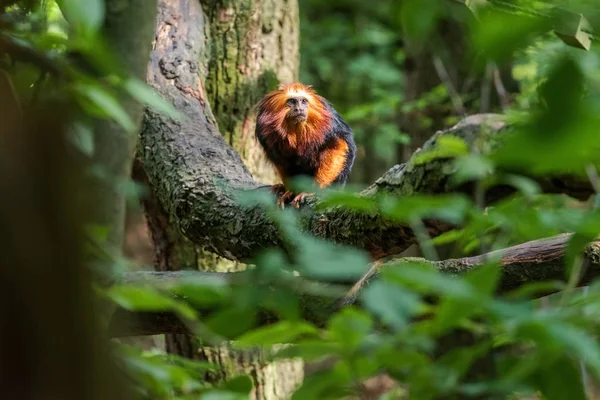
(44, 355)
(536, 261)
(197, 177)
(254, 46)
(192, 170)
(113, 146)
(230, 56)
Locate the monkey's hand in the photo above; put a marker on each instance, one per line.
(301, 199)
(277, 189)
(283, 195)
(284, 198)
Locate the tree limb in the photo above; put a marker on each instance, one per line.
(535, 261)
(198, 177)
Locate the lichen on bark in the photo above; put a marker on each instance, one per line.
(217, 72)
(244, 63)
(197, 176)
(238, 76)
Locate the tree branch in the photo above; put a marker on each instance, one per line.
(198, 177)
(535, 261)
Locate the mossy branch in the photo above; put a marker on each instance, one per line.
(535, 261)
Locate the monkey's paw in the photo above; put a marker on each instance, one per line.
(277, 189)
(301, 199)
(284, 198)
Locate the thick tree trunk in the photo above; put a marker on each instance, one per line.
(254, 46)
(52, 345)
(249, 46)
(196, 176)
(113, 146)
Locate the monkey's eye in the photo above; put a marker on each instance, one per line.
(304, 101)
(291, 101)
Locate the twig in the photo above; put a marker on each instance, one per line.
(445, 78)
(486, 88)
(11, 88)
(424, 240)
(500, 89)
(37, 86)
(20, 51)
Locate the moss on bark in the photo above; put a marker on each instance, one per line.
(198, 177)
(222, 67)
(238, 76)
(540, 260)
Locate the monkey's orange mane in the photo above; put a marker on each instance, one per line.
(300, 136)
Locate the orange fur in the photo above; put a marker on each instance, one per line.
(303, 136)
(332, 163)
(281, 173)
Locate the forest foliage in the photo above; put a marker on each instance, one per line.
(352, 53)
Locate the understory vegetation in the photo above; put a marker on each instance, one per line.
(436, 320)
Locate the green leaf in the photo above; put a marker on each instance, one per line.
(419, 17)
(239, 384)
(491, 36)
(448, 237)
(138, 298)
(204, 292)
(86, 16)
(484, 279)
(545, 144)
(157, 374)
(329, 261)
(446, 146)
(347, 200)
(81, 136)
(148, 96)
(280, 332)
(471, 167)
(106, 103)
(451, 311)
(528, 187)
(392, 304)
(535, 289)
(350, 327)
(421, 276)
(309, 350)
(457, 361)
(575, 248)
(560, 380)
(552, 335)
(581, 344)
(450, 208)
(232, 321)
(324, 385)
(98, 233)
(222, 395)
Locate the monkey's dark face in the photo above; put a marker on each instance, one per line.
(297, 108)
